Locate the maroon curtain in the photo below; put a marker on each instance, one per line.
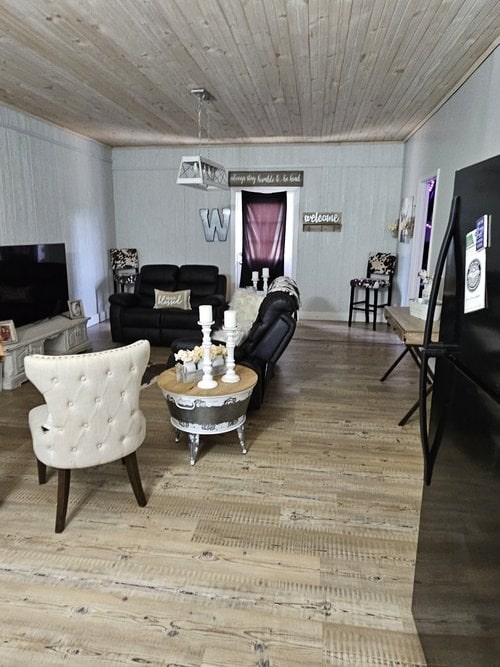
(264, 218)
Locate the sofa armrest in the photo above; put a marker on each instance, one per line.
(126, 299)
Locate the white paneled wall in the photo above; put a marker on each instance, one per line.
(363, 181)
(464, 131)
(57, 187)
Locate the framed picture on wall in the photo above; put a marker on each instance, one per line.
(75, 309)
(406, 220)
(8, 332)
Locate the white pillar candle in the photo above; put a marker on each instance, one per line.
(255, 275)
(206, 316)
(230, 319)
(265, 272)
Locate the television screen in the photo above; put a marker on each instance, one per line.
(33, 282)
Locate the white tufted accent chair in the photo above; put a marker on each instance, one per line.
(91, 414)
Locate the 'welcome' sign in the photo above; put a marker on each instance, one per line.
(322, 222)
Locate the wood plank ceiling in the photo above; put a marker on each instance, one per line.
(121, 71)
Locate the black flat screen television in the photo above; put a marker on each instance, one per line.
(33, 282)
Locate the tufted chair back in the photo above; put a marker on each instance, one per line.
(91, 413)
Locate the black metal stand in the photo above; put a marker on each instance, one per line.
(416, 355)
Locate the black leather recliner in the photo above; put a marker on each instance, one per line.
(132, 316)
(267, 339)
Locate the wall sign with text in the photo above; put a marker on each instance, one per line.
(241, 179)
(321, 222)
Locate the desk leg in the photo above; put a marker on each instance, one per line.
(391, 368)
(194, 444)
(241, 438)
(414, 407)
(416, 353)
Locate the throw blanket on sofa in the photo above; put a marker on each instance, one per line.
(246, 303)
(285, 284)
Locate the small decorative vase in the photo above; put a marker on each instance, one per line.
(426, 292)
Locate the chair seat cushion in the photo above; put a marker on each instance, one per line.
(369, 283)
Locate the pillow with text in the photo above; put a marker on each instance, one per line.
(180, 299)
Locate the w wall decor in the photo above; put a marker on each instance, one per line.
(241, 179)
(213, 225)
(321, 222)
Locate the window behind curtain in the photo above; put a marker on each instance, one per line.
(264, 217)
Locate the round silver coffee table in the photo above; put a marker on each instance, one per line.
(198, 411)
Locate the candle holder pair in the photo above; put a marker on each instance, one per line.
(208, 381)
(264, 284)
(265, 279)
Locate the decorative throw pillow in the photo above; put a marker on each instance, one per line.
(180, 299)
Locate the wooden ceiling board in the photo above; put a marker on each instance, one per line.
(122, 71)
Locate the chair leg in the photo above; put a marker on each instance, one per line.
(367, 306)
(351, 306)
(135, 478)
(42, 472)
(63, 480)
(375, 306)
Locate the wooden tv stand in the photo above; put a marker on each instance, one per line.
(58, 335)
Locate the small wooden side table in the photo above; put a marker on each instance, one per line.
(208, 411)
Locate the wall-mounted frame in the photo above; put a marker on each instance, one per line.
(406, 220)
(8, 333)
(75, 309)
(241, 179)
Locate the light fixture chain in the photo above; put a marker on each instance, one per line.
(207, 114)
(199, 124)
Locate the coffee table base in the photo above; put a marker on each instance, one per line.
(197, 411)
(194, 438)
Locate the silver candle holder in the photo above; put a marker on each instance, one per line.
(230, 375)
(207, 381)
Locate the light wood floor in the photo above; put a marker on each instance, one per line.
(299, 554)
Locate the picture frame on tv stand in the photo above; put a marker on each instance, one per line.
(8, 333)
(75, 309)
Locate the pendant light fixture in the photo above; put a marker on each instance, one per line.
(196, 171)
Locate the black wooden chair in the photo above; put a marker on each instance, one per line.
(379, 275)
